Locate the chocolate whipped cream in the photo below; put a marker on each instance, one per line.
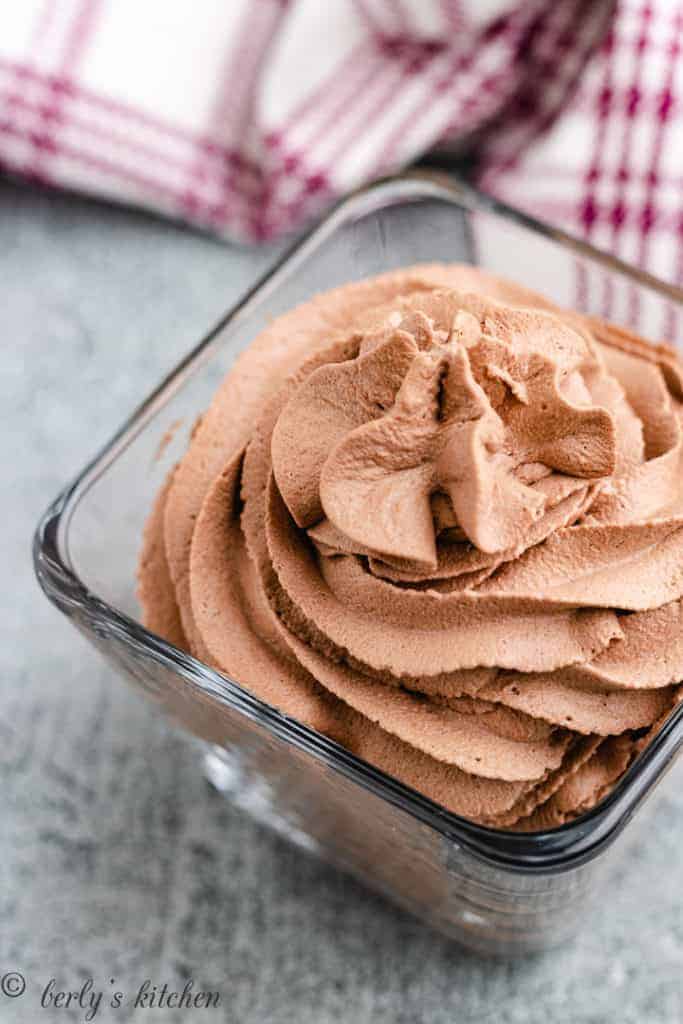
(440, 521)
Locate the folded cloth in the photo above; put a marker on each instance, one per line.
(248, 116)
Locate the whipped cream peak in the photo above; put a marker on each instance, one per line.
(450, 395)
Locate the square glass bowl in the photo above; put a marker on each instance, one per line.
(494, 891)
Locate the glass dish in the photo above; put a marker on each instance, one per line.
(494, 891)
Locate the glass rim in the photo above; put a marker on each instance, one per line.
(566, 846)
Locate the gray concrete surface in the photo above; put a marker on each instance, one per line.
(117, 861)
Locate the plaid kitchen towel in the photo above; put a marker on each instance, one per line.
(248, 116)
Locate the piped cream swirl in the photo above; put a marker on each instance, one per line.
(441, 522)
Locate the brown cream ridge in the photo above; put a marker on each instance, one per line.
(441, 521)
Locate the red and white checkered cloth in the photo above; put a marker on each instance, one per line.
(248, 116)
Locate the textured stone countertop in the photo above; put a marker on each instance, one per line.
(117, 860)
